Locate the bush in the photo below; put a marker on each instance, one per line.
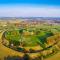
(26, 57)
(20, 49)
(32, 51)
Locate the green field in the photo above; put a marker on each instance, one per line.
(37, 42)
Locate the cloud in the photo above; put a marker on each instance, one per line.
(29, 11)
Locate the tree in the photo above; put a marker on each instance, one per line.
(13, 37)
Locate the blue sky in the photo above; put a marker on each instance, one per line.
(29, 8)
(36, 2)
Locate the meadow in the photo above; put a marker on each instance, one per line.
(36, 42)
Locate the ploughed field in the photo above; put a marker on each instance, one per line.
(38, 42)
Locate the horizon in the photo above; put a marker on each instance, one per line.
(29, 8)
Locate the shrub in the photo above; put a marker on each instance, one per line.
(32, 51)
(20, 49)
(26, 57)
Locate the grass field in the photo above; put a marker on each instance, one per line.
(54, 57)
(4, 51)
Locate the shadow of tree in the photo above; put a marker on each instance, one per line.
(13, 58)
(25, 57)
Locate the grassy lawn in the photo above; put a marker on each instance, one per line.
(31, 43)
(4, 51)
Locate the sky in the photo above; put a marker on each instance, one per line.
(29, 8)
